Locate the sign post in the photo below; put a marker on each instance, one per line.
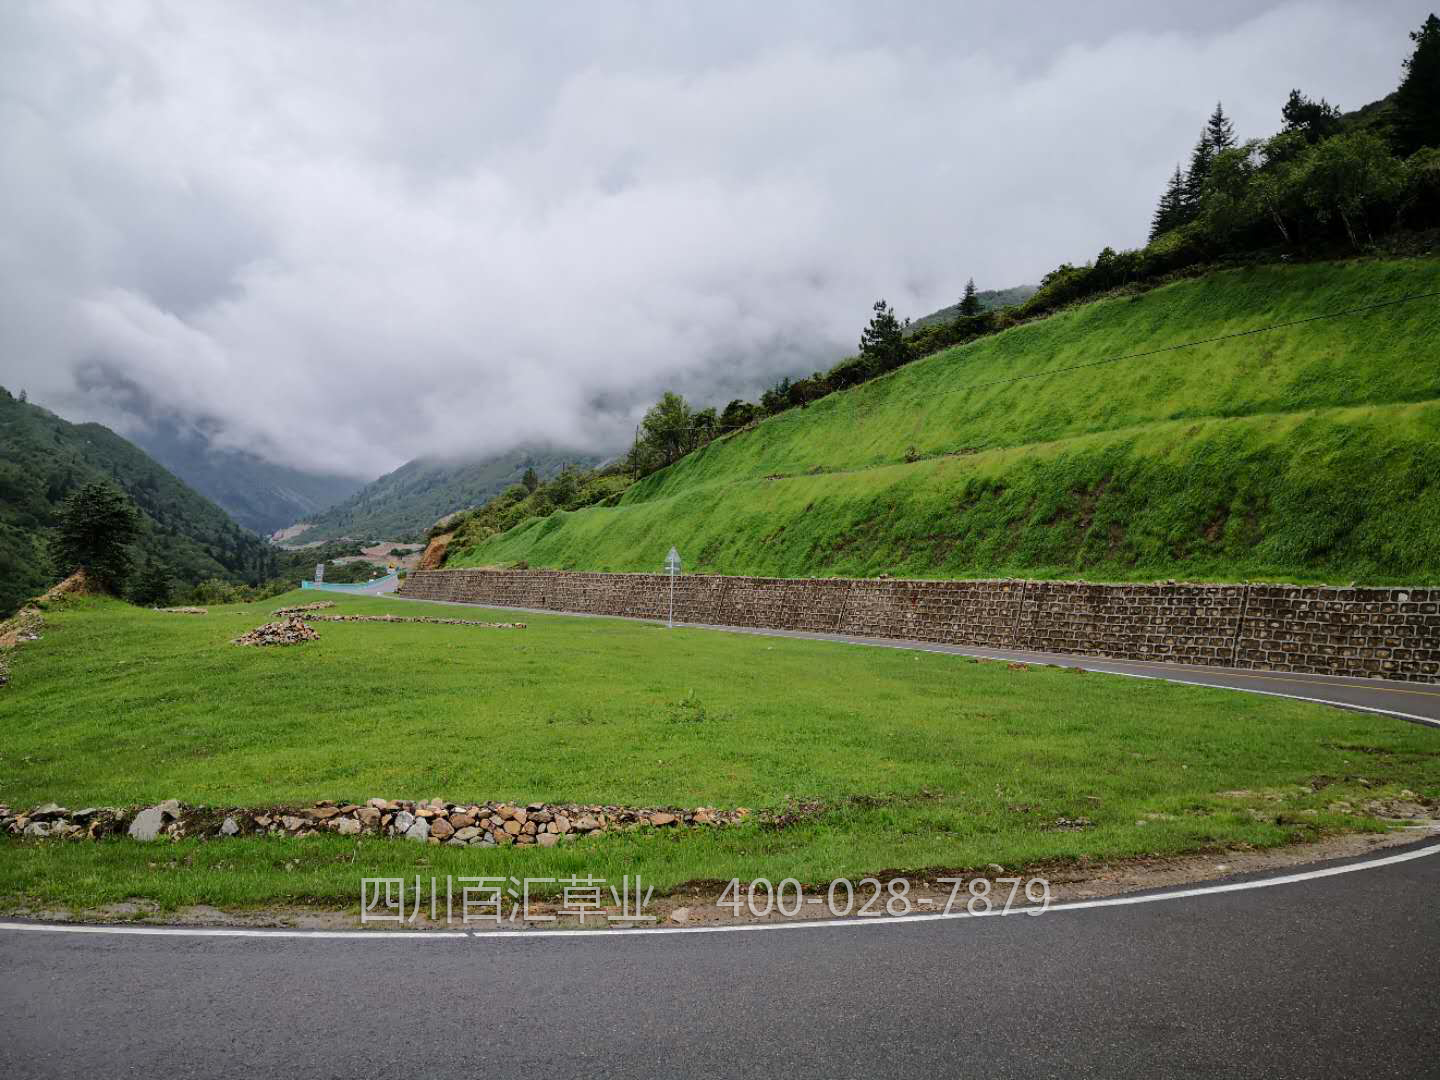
(319, 573)
(672, 567)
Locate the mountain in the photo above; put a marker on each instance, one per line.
(402, 504)
(43, 458)
(1114, 440)
(261, 496)
(990, 299)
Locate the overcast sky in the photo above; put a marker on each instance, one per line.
(345, 234)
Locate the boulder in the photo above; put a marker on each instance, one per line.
(147, 824)
(229, 827)
(441, 828)
(403, 820)
(347, 826)
(420, 830)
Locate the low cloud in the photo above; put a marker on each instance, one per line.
(344, 237)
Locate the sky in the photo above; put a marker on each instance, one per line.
(342, 235)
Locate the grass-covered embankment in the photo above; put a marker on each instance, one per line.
(1304, 453)
(918, 760)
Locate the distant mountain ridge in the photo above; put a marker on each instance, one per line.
(402, 504)
(43, 458)
(261, 496)
(990, 299)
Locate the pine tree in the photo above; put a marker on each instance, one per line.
(1316, 120)
(153, 587)
(970, 302)
(1169, 212)
(530, 480)
(1417, 101)
(98, 523)
(1196, 177)
(1220, 131)
(882, 343)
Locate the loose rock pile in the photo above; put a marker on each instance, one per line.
(185, 610)
(289, 632)
(490, 824)
(414, 619)
(57, 822)
(300, 609)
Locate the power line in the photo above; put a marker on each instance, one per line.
(1191, 344)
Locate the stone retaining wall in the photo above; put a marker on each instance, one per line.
(1389, 633)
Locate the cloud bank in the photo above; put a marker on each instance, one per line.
(343, 236)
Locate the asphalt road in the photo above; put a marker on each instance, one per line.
(1418, 702)
(1332, 977)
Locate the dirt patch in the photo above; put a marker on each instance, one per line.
(433, 557)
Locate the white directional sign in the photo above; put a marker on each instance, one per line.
(672, 567)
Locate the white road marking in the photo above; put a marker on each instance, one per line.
(811, 924)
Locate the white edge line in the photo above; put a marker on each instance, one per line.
(811, 924)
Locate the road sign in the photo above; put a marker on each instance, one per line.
(672, 567)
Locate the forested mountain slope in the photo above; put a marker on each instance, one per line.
(43, 458)
(402, 504)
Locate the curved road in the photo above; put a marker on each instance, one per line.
(1332, 975)
(1329, 977)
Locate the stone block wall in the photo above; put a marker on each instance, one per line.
(1389, 633)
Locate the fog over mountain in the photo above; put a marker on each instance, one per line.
(344, 236)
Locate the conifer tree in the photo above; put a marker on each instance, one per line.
(98, 523)
(1170, 211)
(1417, 101)
(1316, 120)
(1196, 177)
(970, 302)
(882, 342)
(1220, 131)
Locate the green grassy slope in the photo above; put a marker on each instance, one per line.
(43, 458)
(1307, 453)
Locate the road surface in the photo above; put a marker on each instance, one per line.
(1328, 977)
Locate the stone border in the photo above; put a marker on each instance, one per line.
(1391, 633)
(488, 824)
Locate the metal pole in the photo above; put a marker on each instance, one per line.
(672, 598)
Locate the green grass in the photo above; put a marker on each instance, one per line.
(1307, 453)
(922, 760)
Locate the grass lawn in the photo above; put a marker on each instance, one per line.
(921, 760)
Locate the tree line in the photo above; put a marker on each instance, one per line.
(1325, 179)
